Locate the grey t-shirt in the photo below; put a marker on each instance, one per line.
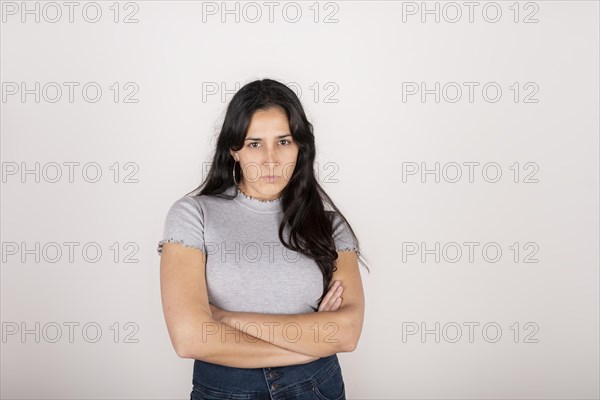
(247, 267)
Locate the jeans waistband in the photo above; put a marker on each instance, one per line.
(259, 380)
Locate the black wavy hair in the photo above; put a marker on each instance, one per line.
(303, 199)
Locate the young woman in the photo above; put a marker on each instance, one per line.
(253, 267)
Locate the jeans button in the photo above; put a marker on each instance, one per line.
(272, 375)
(274, 386)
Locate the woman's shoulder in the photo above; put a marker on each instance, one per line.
(202, 201)
(334, 216)
(342, 234)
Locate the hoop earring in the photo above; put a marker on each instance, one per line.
(234, 180)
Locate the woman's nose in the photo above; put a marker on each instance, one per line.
(271, 156)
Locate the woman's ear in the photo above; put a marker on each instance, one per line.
(233, 155)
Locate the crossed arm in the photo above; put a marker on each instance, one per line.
(317, 334)
(189, 318)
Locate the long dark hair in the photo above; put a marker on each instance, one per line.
(303, 200)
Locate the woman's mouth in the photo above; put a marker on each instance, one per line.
(270, 178)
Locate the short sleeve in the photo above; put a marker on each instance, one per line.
(184, 224)
(342, 236)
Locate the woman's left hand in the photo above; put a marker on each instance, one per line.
(333, 298)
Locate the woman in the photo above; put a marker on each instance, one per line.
(253, 267)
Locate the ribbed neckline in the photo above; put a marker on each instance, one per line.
(261, 206)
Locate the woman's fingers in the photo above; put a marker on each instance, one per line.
(328, 296)
(335, 304)
(332, 299)
(338, 303)
(329, 293)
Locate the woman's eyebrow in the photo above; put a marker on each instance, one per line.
(278, 137)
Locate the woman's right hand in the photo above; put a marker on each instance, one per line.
(333, 298)
(331, 302)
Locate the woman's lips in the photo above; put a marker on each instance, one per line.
(270, 178)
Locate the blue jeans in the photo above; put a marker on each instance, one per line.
(317, 380)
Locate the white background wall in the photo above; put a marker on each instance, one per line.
(364, 61)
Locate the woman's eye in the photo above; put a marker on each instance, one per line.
(285, 142)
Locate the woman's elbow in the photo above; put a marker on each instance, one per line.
(189, 350)
(182, 352)
(348, 345)
(190, 337)
(352, 332)
(186, 345)
(180, 345)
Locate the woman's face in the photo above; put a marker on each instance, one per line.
(269, 155)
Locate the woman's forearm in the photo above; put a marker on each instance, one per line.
(221, 344)
(314, 335)
(318, 334)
